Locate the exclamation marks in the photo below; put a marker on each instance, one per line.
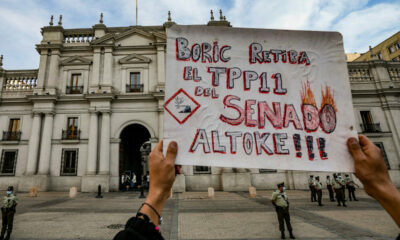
(310, 147)
(321, 146)
(297, 144)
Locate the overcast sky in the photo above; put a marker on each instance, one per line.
(361, 22)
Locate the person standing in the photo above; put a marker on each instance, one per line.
(280, 200)
(351, 187)
(311, 185)
(7, 212)
(343, 183)
(318, 189)
(329, 186)
(337, 187)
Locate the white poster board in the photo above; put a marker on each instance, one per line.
(258, 98)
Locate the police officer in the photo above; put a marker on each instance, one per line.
(311, 185)
(280, 200)
(329, 186)
(351, 187)
(7, 212)
(318, 189)
(337, 187)
(343, 183)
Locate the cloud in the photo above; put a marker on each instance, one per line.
(362, 22)
(369, 26)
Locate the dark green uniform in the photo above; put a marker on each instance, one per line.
(337, 186)
(329, 186)
(281, 203)
(318, 188)
(7, 212)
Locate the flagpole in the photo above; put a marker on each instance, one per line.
(136, 12)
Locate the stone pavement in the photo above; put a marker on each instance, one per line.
(193, 216)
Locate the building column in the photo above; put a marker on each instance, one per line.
(45, 147)
(105, 144)
(92, 144)
(160, 64)
(53, 71)
(42, 69)
(108, 67)
(33, 145)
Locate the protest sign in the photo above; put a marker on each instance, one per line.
(258, 98)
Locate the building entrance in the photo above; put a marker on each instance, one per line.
(130, 160)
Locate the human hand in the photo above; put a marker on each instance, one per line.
(369, 165)
(162, 176)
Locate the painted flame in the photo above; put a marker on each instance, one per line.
(328, 97)
(307, 96)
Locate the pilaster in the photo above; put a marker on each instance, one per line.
(33, 145)
(45, 147)
(105, 144)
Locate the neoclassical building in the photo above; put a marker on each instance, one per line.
(80, 119)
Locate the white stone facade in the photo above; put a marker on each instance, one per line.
(103, 59)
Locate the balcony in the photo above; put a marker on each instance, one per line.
(134, 88)
(11, 136)
(74, 90)
(71, 134)
(371, 127)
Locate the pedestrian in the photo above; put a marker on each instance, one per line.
(7, 213)
(127, 182)
(311, 185)
(337, 187)
(329, 186)
(318, 189)
(280, 200)
(133, 181)
(343, 183)
(351, 187)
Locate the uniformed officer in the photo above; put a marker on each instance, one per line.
(318, 189)
(311, 185)
(337, 187)
(280, 200)
(351, 187)
(329, 186)
(7, 212)
(343, 183)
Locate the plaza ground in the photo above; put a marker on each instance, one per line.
(193, 216)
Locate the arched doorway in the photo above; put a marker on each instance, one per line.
(130, 161)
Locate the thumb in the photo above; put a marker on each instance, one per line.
(171, 152)
(355, 149)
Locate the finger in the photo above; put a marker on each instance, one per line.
(355, 149)
(171, 152)
(364, 141)
(159, 147)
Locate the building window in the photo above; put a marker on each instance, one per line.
(380, 56)
(75, 86)
(69, 162)
(264, 170)
(134, 83)
(394, 59)
(397, 46)
(391, 49)
(367, 124)
(380, 145)
(13, 133)
(8, 162)
(201, 169)
(72, 131)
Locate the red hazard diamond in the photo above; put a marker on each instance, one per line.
(181, 106)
